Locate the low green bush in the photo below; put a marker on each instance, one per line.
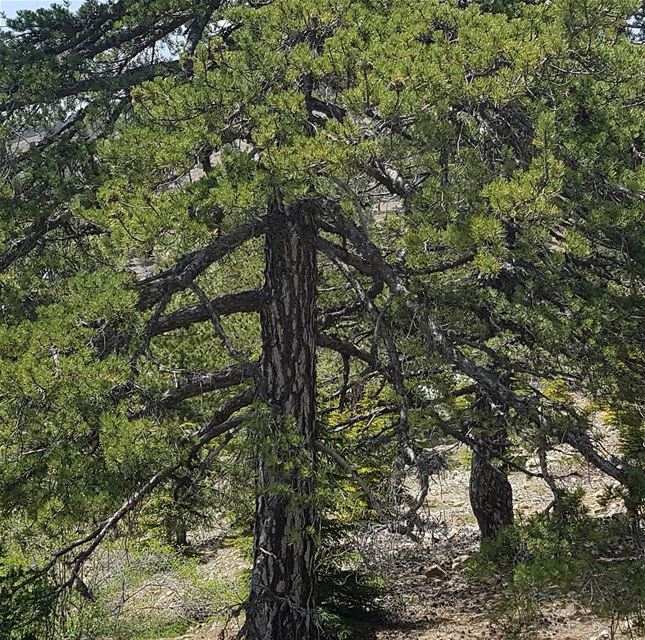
(564, 554)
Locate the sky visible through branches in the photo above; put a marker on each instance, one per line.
(10, 7)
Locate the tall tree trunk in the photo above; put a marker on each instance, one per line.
(491, 494)
(281, 604)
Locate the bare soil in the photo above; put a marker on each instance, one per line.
(431, 595)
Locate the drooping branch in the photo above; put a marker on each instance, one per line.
(223, 421)
(216, 321)
(382, 330)
(488, 380)
(346, 466)
(579, 440)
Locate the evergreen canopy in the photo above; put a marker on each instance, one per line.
(256, 245)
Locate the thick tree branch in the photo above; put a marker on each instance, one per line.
(390, 179)
(336, 251)
(35, 234)
(110, 82)
(196, 29)
(347, 349)
(243, 302)
(444, 266)
(188, 267)
(199, 383)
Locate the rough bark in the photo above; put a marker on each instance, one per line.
(491, 494)
(281, 603)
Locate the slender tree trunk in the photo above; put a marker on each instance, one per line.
(281, 604)
(491, 494)
(176, 528)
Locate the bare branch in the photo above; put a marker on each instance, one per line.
(340, 253)
(188, 267)
(204, 382)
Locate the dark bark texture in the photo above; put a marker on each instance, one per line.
(281, 604)
(491, 494)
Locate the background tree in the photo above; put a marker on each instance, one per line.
(485, 158)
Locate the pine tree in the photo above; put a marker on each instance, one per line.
(435, 205)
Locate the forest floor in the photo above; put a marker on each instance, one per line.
(452, 605)
(430, 594)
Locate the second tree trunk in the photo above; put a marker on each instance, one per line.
(491, 494)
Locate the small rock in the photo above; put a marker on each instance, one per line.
(435, 572)
(603, 635)
(459, 562)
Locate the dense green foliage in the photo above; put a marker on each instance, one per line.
(477, 168)
(565, 553)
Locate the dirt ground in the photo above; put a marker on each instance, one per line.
(431, 591)
(430, 594)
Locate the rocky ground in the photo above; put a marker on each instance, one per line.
(432, 591)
